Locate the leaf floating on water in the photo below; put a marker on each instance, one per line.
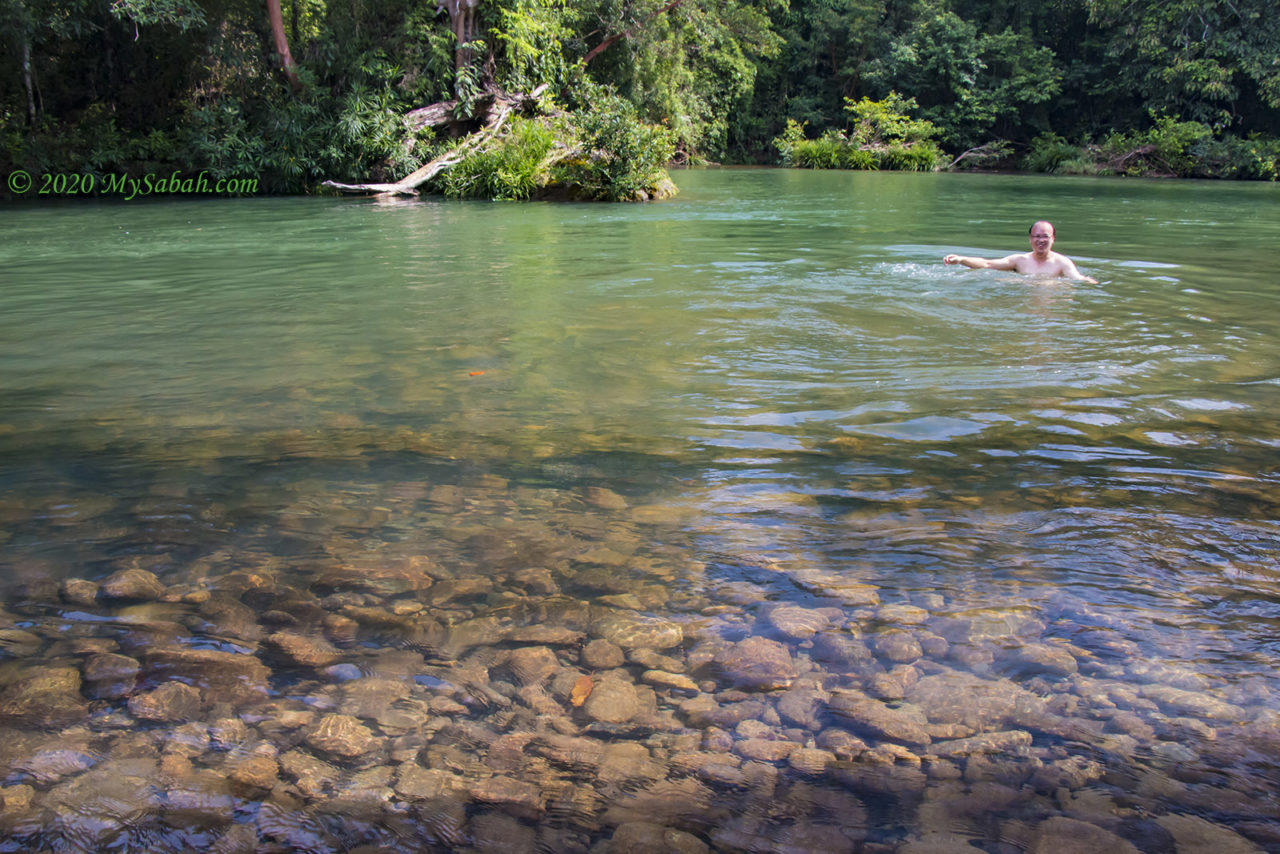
(581, 690)
(476, 374)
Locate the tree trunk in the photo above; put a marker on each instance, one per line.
(27, 83)
(287, 65)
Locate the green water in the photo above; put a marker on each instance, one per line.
(773, 372)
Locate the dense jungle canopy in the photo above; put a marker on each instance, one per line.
(297, 91)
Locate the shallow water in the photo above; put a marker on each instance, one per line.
(425, 467)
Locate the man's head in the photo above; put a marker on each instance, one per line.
(1041, 234)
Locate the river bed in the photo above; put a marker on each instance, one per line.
(735, 522)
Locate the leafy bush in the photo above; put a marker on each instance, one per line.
(621, 157)
(514, 168)
(883, 137)
(1049, 152)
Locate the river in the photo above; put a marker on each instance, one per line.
(734, 522)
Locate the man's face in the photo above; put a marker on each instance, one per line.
(1041, 238)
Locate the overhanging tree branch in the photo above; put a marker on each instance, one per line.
(626, 34)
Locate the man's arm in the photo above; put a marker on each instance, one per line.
(1009, 262)
(1070, 270)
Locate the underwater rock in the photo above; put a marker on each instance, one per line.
(631, 631)
(612, 701)
(44, 698)
(109, 676)
(532, 665)
(170, 703)
(1061, 835)
(642, 837)
(843, 649)
(757, 664)
(133, 585)
(907, 724)
(341, 736)
(520, 799)
(796, 623)
(897, 645)
(230, 676)
(303, 650)
(79, 591)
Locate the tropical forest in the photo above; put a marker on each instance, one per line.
(513, 98)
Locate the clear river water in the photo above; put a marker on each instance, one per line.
(734, 522)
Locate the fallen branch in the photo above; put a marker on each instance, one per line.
(438, 114)
(409, 184)
(987, 151)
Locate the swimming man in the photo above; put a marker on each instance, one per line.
(1040, 261)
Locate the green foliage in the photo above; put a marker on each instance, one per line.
(1049, 152)
(1169, 148)
(621, 156)
(195, 84)
(177, 13)
(515, 168)
(968, 83)
(886, 122)
(883, 137)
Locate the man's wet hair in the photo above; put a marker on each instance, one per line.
(1052, 230)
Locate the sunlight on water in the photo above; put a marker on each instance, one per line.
(735, 522)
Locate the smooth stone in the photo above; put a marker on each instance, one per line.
(907, 724)
(612, 701)
(663, 679)
(493, 832)
(1196, 703)
(764, 749)
(304, 650)
(46, 767)
(1061, 835)
(256, 772)
(342, 736)
(532, 665)
(79, 591)
(956, 697)
(902, 615)
(989, 742)
(44, 697)
(169, 703)
(811, 760)
(229, 676)
(372, 696)
(841, 648)
(897, 645)
(757, 664)
(521, 799)
(634, 631)
(549, 635)
(628, 762)
(642, 837)
(605, 499)
(569, 751)
(1039, 659)
(312, 774)
(415, 783)
(802, 706)
(137, 585)
(1194, 834)
(110, 676)
(797, 623)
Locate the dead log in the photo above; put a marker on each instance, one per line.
(434, 115)
(409, 184)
